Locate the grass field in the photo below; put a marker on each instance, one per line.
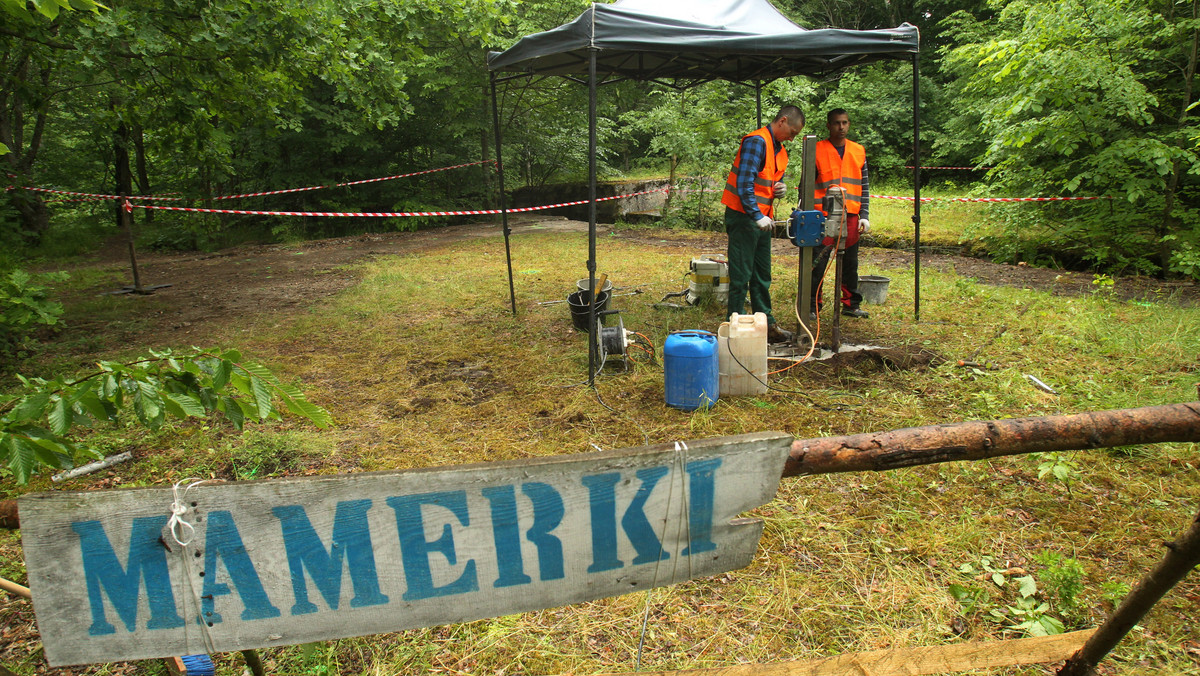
(422, 365)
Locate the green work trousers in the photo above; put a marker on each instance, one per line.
(749, 258)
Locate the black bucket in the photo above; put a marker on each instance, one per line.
(580, 303)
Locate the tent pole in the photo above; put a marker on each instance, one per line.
(593, 343)
(758, 103)
(512, 294)
(916, 217)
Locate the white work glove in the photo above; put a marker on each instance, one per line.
(780, 189)
(765, 223)
(864, 226)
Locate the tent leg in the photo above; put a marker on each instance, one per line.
(593, 343)
(512, 294)
(916, 217)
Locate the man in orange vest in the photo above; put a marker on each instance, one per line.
(753, 184)
(843, 162)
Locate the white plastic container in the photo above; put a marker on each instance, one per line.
(742, 355)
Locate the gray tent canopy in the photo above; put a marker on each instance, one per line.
(698, 41)
(682, 43)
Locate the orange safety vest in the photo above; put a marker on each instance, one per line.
(846, 171)
(764, 182)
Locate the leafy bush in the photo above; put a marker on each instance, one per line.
(34, 425)
(1063, 579)
(24, 305)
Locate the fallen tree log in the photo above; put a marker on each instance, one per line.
(909, 447)
(913, 446)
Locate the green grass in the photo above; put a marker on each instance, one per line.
(422, 364)
(943, 222)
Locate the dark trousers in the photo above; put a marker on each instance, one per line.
(851, 298)
(749, 257)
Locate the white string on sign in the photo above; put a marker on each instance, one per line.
(184, 533)
(179, 509)
(680, 461)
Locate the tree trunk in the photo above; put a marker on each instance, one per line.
(143, 177)
(914, 446)
(23, 152)
(35, 217)
(1182, 556)
(124, 184)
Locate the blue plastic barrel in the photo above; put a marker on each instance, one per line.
(690, 365)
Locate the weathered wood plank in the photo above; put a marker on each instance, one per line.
(910, 661)
(290, 561)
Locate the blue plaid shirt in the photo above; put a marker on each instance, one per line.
(753, 159)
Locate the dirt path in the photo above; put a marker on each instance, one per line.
(210, 288)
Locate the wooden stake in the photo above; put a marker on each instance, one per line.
(910, 661)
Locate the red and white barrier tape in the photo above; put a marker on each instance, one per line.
(341, 185)
(129, 206)
(992, 199)
(141, 198)
(971, 168)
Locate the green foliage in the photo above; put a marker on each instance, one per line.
(1029, 614)
(25, 304)
(36, 424)
(1115, 591)
(1056, 464)
(47, 8)
(1020, 609)
(1063, 579)
(1067, 116)
(257, 455)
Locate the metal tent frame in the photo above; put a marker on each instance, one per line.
(683, 43)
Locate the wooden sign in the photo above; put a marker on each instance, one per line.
(155, 572)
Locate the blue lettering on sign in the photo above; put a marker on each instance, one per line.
(415, 549)
(222, 539)
(351, 540)
(700, 505)
(602, 501)
(637, 526)
(547, 515)
(507, 536)
(147, 560)
(548, 512)
(351, 549)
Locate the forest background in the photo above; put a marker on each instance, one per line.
(200, 99)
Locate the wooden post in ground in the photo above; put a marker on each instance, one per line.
(1182, 556)
(126, 219)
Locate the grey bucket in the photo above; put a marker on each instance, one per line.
(873, 288)
(585, 285)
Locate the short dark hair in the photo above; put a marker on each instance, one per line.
(792, 113)
(834, 113)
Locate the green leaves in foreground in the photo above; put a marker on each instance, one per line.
(35, 425)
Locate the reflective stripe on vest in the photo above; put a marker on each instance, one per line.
(764, 182)
(834, 169)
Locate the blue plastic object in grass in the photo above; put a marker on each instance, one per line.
(198, 665)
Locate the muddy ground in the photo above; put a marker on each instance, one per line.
(207, 289)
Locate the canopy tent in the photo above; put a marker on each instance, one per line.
(686, 42)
